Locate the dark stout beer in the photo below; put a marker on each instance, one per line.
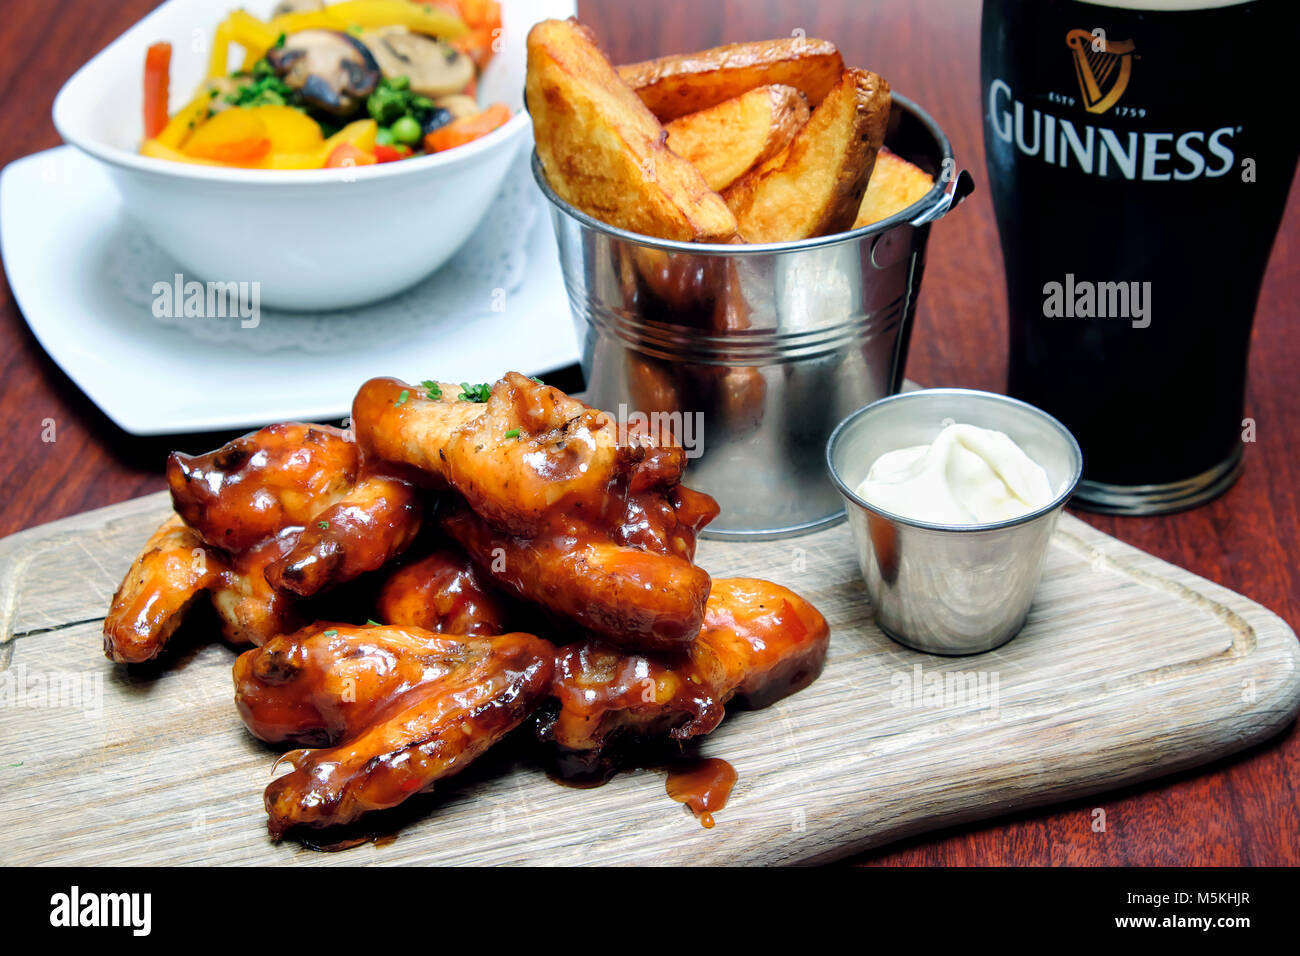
(1139, 153)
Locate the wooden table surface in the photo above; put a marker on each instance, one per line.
(1239, 811)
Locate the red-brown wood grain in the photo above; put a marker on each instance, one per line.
(1243, 810)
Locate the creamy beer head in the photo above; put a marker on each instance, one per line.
(1163, 5)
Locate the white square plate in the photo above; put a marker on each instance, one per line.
(61, 225)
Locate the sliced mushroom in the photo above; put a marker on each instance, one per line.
(297, 6)
(334, 71)
(433, 67)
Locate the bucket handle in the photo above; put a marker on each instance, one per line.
(962, 186)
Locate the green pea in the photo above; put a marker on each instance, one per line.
(407, 130)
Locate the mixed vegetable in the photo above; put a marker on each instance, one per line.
(323, 86)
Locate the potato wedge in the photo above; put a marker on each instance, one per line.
(604, 152)
(895, 185)
(814, 187)
(725, 141)
(673, 86)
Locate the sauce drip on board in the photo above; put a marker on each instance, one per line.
(703, 785)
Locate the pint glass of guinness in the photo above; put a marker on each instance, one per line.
(1139, 154)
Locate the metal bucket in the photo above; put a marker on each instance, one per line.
(752, 354)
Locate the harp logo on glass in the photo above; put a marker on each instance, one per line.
(1103, 67)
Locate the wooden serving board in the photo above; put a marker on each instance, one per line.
(1129, 668)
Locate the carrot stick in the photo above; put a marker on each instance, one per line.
(467, 129)
(157, 88)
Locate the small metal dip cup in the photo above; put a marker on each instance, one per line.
(942, 588)
(752, 353)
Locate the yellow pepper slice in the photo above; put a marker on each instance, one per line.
(186, 120)
(310, 20)
(254, 35)
(252, 32)
(360, 134)
(290, 130)
(219, 61)
(422, 18)
(236, 137)
(258, 137)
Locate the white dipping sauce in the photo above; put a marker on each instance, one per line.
(969, 475)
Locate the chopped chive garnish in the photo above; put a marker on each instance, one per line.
(513, 433)
(401, 399)
(432, 389)
(323, 525)
(331, 633)
(475, 393)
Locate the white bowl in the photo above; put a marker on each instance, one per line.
(313, 239)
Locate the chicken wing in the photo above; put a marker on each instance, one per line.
(525, 451)
(254, 487)
(429, 734)
(250, 609)
(559, 503)
(303, 478)
(443, 593)
(328, 682)
(760, 642)
(528, 454)
(371, 524)
(407, 425)
(770, 641)
(173, 571)
(280, 514)
(632, 598)
(601, 693)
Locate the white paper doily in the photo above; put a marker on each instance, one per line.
(494, 258)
